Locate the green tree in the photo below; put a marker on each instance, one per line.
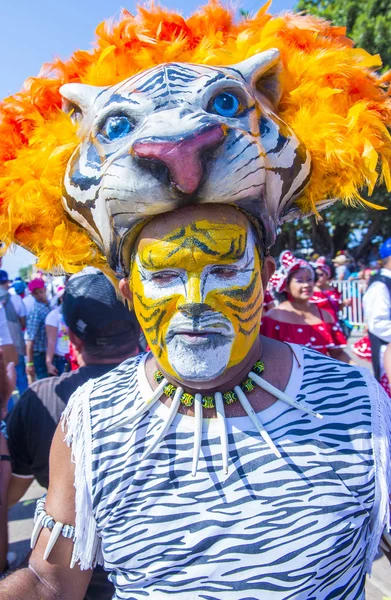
(368, 23)
(26, 272)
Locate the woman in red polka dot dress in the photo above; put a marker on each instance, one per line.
(297, 320)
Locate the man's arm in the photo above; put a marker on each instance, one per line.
(51, 335)
(24, 428)
(7, 385)
(18, 486)
(31, 332)
(30, 370)
(52, 579)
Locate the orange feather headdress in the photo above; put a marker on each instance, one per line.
(332, 99)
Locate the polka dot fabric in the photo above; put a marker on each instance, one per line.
(322, 337)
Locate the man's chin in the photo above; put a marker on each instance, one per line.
(198, 360)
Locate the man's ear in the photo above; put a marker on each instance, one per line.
(76, 341)
(125, 290)
(268, 269)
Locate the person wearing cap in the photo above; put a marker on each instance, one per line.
(57, 351)
(377, 311)
(341, 263)
(19, 287)
(35, 336)
(104, 333)
(16, 319)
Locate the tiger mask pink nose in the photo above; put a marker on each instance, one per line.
(182, 158)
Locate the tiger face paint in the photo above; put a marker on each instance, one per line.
(198, 295)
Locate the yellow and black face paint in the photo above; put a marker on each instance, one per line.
(198, 297)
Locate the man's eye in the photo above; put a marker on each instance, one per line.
(224, 272)
(164, 277)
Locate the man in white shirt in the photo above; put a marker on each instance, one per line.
(29, 303)
(377, 310)
(16, 318)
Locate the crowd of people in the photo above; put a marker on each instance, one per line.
(32, 322)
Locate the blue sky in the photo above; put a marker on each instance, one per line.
(34, 32)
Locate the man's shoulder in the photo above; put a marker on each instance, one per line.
(124, 371)
(332, 369)
(43, 393)
(380, 279)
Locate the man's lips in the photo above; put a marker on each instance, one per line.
(197, 334)
(196, 337)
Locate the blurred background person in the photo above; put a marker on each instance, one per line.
(58, 345)
(28, 301)
(6, 345)
(325, 295)
(18, 288)
(296, 319)
(104, 333)
(341, 264)
(386, 376)
(35, 336)
(7, 385)
(268, 301)
(377, 310)
(15, 313)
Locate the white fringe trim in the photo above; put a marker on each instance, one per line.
(381, 445)
(75, 422)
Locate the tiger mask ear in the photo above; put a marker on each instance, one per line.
(262, 72)
(79, 99)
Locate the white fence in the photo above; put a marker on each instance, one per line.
(353, 290)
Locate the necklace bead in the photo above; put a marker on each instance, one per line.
(247, 385)
(208, 401)
(187, 399)
(170, 390)
(259, 367)
(230, 397)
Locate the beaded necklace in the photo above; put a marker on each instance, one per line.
(178, 396)
(247, 385)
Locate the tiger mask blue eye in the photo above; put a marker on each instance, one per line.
(116, 127)
(225, 104)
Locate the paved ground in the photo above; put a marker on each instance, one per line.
(20, 526)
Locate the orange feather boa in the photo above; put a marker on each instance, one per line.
(333, 100)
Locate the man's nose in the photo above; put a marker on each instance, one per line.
(194, 309)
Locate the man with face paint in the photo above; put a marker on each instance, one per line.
(219, 465)
(169, 509)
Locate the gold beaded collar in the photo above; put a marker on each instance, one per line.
(247, 385)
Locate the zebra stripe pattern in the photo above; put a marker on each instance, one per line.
(297, 527)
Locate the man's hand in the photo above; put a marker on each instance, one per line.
(7, 381)
(51, 369)
(30, 370)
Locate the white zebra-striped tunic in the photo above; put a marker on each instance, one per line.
(304, 526)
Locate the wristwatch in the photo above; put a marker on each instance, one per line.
(3, 429)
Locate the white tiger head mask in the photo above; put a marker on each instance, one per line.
(180, 134)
